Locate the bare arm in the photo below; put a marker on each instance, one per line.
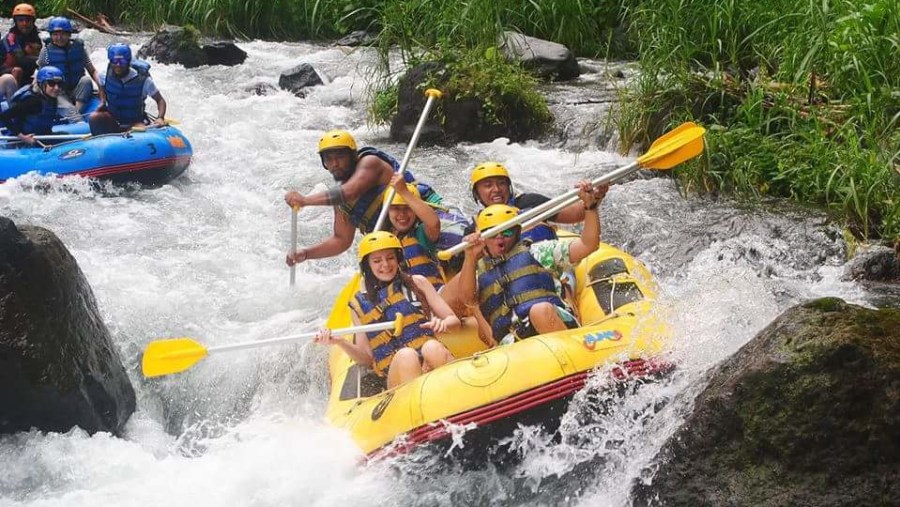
(360, 351)
(368, 175)
(439, 307)
(467, 283)
(92, 71)
(572, 214)
(424, 212)
(590, 235)
(336, 244)
(160, 107)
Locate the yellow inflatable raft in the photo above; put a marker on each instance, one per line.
(530, 381)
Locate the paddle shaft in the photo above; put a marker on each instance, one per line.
(380, 326)
(607, 178)
(294, 212)
(50, 137)
(432, 96)
(541, 212)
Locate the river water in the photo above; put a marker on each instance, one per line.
(203, 257)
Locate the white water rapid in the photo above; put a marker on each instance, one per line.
(204, 257)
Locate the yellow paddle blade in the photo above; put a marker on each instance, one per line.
(164, 357)
(677, 146)
(340, 312)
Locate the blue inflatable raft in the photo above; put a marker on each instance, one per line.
(150, 157)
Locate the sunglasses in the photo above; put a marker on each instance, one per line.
(508, 233)
(55, 84)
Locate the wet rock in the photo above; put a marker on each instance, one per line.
(878, 263)
(805, 414)
(58, 365)
(549, 60)
(300, 77)
(356, 38)
(260, 88)
(175, 44)
(464, 119)
(224, 53)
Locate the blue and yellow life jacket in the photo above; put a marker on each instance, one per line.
(394, 298)
(363, 212)
(420, 261)
(513, 283)
(40, 123)
(69, 59)
(125, 99)
(538, 233)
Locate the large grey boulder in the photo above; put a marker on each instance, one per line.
(807, 413)
(177, 44)
(297, 79)
(58, 365)
(547, 59)
(458, 119)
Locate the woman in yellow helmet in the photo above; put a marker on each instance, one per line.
(418, 227)
(390, 291)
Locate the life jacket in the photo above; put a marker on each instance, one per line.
(69, 59)
(40, 123)
(394, 298)
(125, 99)
(538, 233)
(16, 41)
(513, 283)
(419, 261)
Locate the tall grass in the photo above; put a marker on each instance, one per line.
(278, 19)
(804, 97)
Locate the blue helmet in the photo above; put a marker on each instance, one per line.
(119, 54)
(49, 73)
(60, 24)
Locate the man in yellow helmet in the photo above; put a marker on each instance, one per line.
(363, 175)
(512, 279)
(491, 184)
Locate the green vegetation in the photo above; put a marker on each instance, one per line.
(801, 97)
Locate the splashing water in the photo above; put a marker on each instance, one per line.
(203, 257)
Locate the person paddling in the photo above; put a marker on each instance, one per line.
(33, 109)
(418, 227)
(510, 278)
(389, 291)
(362, 175)
(127, 85)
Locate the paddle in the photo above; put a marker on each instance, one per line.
(164, 357)
(49, 137)
(682, 143)
(433, 95)
(294, 211)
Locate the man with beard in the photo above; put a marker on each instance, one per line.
(363, 175)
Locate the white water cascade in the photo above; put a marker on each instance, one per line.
(204, 257)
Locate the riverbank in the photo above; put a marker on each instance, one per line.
(802, 99)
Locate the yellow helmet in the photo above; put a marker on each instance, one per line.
(24, 10)
(495, 214)
(377, 241)
(488, 170)
(336, 139)
(398, 199)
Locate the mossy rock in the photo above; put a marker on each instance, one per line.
(805, 414)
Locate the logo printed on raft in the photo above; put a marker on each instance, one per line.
(73, 153)
(176, 141)
(378, 411)
(592, 339)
